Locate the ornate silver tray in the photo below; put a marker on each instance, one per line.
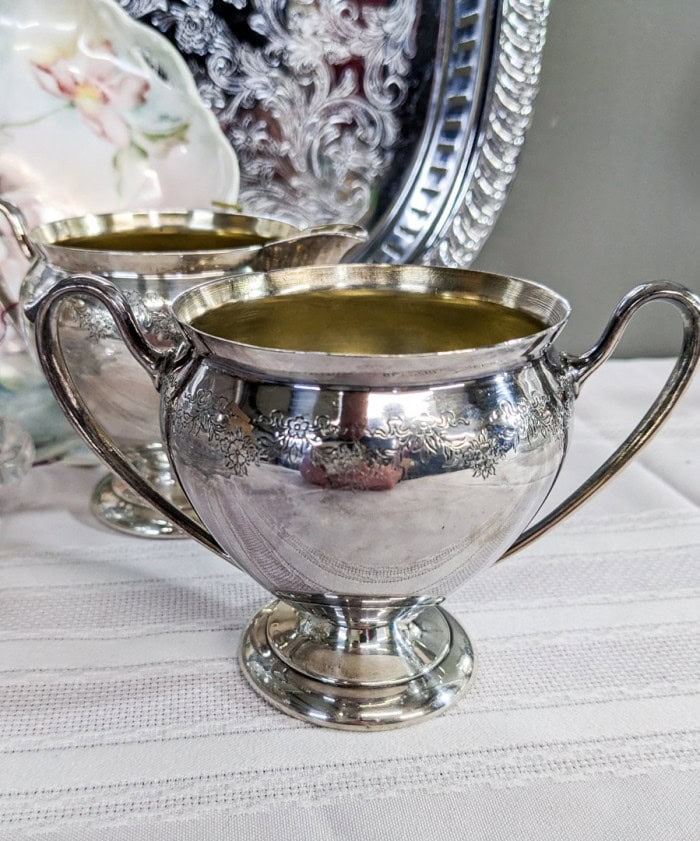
(406, 116)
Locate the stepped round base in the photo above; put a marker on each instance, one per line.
(374, 678)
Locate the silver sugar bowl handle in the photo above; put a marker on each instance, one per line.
(581, 367)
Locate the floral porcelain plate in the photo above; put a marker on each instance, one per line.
(98, 113)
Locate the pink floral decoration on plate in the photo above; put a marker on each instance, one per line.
(98, 87)
(100, 113)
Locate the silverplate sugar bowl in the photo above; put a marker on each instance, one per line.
(152, 256)
(361, 440)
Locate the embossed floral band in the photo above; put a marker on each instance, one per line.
(359, 480)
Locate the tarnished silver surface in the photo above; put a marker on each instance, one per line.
(406, 116)
(363, 489)
(115, 387)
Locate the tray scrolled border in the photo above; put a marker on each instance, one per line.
(506, 117)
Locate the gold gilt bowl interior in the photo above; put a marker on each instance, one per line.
(412, 324)
(158, 242)
(159, 231)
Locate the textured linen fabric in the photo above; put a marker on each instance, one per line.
(124, 715)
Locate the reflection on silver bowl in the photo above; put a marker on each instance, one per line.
(361, 488)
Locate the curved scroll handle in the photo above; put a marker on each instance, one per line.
(44, 315)
(581, 367)
(20, 230)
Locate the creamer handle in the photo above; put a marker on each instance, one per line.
(18, 226)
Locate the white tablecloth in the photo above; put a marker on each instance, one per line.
(123, 714)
